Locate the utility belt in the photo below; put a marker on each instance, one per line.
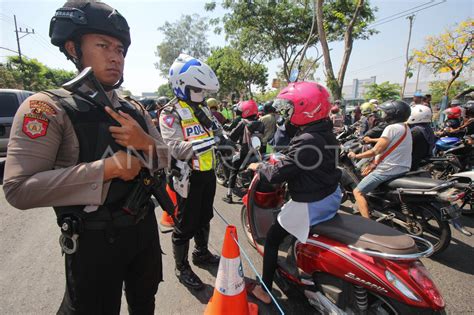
(105, 218)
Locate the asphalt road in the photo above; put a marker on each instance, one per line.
(32, 269)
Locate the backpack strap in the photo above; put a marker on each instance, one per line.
(393, 147)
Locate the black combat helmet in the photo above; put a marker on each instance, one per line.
(79, 17)
(395, 111)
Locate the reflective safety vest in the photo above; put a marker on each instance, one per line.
(193, 130)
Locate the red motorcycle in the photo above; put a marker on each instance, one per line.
(349, 264)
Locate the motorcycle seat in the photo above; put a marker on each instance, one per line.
(413, 183)
(366, 234)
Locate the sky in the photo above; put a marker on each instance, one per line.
(381, 56)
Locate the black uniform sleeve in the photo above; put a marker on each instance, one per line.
(237, 133)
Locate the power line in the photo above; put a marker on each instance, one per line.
(401, 12)
(407, 14)
(374, 65)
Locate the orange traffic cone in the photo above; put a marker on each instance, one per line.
(229, 295)
(167, 223)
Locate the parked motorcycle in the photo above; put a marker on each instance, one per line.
(465, 182)
(349, 264)
(454, 155)
(413, 204)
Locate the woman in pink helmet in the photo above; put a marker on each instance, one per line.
(310, 170)
(249, 126)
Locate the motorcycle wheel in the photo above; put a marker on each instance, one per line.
(246, 226)
(430, 227)
(220, 172)
(379, 305)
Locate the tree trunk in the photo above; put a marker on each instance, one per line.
(331, 78)
(448, 87)
(335, 85)
(348, 43)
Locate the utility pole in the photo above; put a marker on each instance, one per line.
(26, 32)
(417, 76)
(410, 18)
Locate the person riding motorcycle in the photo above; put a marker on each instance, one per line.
(212, 104)
(337, 119)
(189, 129)
(248, 127)
(309, 168)
(366, 110)
(392, 152)
(236, 120)
(269, 120)
(467, 127)
(422, 134)
(453, 120)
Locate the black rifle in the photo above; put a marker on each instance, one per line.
(89, 88)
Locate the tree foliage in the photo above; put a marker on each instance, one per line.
(266, 96)
(438, 89)
(268, 29)
(281, 28)
(165, 90)
(187, 35)
(31, 75)
(236, 75)
(449, 52)
(384, 91)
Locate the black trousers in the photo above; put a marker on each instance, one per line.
(275, 237)
(107, 259)
(196, 211)
(235, 169)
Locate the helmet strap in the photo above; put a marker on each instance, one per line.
(108, 88)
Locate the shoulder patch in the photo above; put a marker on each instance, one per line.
(169, 120)
(39, 107)
(35, 126)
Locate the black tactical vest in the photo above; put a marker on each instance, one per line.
(91, 125)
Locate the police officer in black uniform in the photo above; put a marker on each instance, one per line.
(66, 152)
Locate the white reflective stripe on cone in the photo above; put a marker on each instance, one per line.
(230, 276)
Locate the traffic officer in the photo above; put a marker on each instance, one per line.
(188, 128)
(63, 152)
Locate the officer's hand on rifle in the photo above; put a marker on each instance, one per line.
(121, 165)
(130, 133)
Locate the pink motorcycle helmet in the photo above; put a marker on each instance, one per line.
(248, 108)
(306, 102)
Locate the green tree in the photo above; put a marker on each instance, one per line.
(235, 73)
(9, 79)
(33, 75)
(384, 91)
(438, 89)
(266, 96)
(263, 30)
(165, 90)
(187, 35)
(338, 20)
